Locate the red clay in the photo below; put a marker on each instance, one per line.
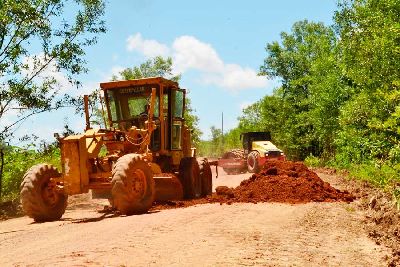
(287, 182)
(279, 181)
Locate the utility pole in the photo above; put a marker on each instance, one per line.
(222, 129)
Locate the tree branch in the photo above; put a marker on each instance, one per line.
(25, 37)
(8, 127)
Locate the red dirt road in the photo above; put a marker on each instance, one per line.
(263, 234)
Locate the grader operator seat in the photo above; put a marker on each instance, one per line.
(128, 107)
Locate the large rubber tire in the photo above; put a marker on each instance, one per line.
(206, 178)
(189, 174)
(132, 185)
(252, 162)
(40, 200)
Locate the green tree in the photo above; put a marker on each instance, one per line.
(35, 36)
(295, 114)
(155, 67)
(216, 141)
(370, 56)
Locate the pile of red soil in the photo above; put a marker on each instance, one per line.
(282, 181)
(279, 181)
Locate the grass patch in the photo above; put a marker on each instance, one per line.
(381, 175)
(313, 161)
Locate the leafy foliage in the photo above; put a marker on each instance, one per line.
(18, 160)
(339, 102)
(370, 51)
(36, 39)
(311, 91)
(156, 67)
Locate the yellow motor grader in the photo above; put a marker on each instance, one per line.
(145, 154)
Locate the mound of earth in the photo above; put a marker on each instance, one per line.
(279, 181)
(282, 181)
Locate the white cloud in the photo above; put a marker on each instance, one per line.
(149, 48)
(36, 62)
(235, 78)
(245, 104)
(115, 71)
(189, 53)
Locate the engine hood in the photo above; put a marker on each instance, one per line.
(264, 146)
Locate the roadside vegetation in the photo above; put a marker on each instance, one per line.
(339, 103)
(36, 40)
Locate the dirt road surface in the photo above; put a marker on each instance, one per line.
(241, 234)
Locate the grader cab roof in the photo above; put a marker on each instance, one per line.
(136, 82)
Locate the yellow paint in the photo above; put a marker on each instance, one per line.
(263, 146)
(74, 160)
(93, 143)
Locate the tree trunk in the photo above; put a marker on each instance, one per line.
(1, 170)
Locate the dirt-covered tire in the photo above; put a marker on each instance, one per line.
(40, 199)
(206, 178)
(252, 162)
(189, 175)
(132, 185)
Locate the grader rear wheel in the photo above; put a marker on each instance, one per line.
(39, 196)
(132, 185)
(189, 174)
(206, 178)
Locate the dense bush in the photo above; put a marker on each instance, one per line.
(18, 160)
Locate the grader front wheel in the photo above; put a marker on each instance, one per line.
(39, 196)
(132, 185)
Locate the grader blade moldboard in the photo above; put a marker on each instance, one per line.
(167, 187)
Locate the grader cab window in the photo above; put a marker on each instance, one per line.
(128, 104)
(177, 119)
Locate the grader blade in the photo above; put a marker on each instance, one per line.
(167, 187)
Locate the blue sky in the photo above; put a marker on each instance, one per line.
(217, 46)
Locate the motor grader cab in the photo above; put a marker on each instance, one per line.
(143, 155)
